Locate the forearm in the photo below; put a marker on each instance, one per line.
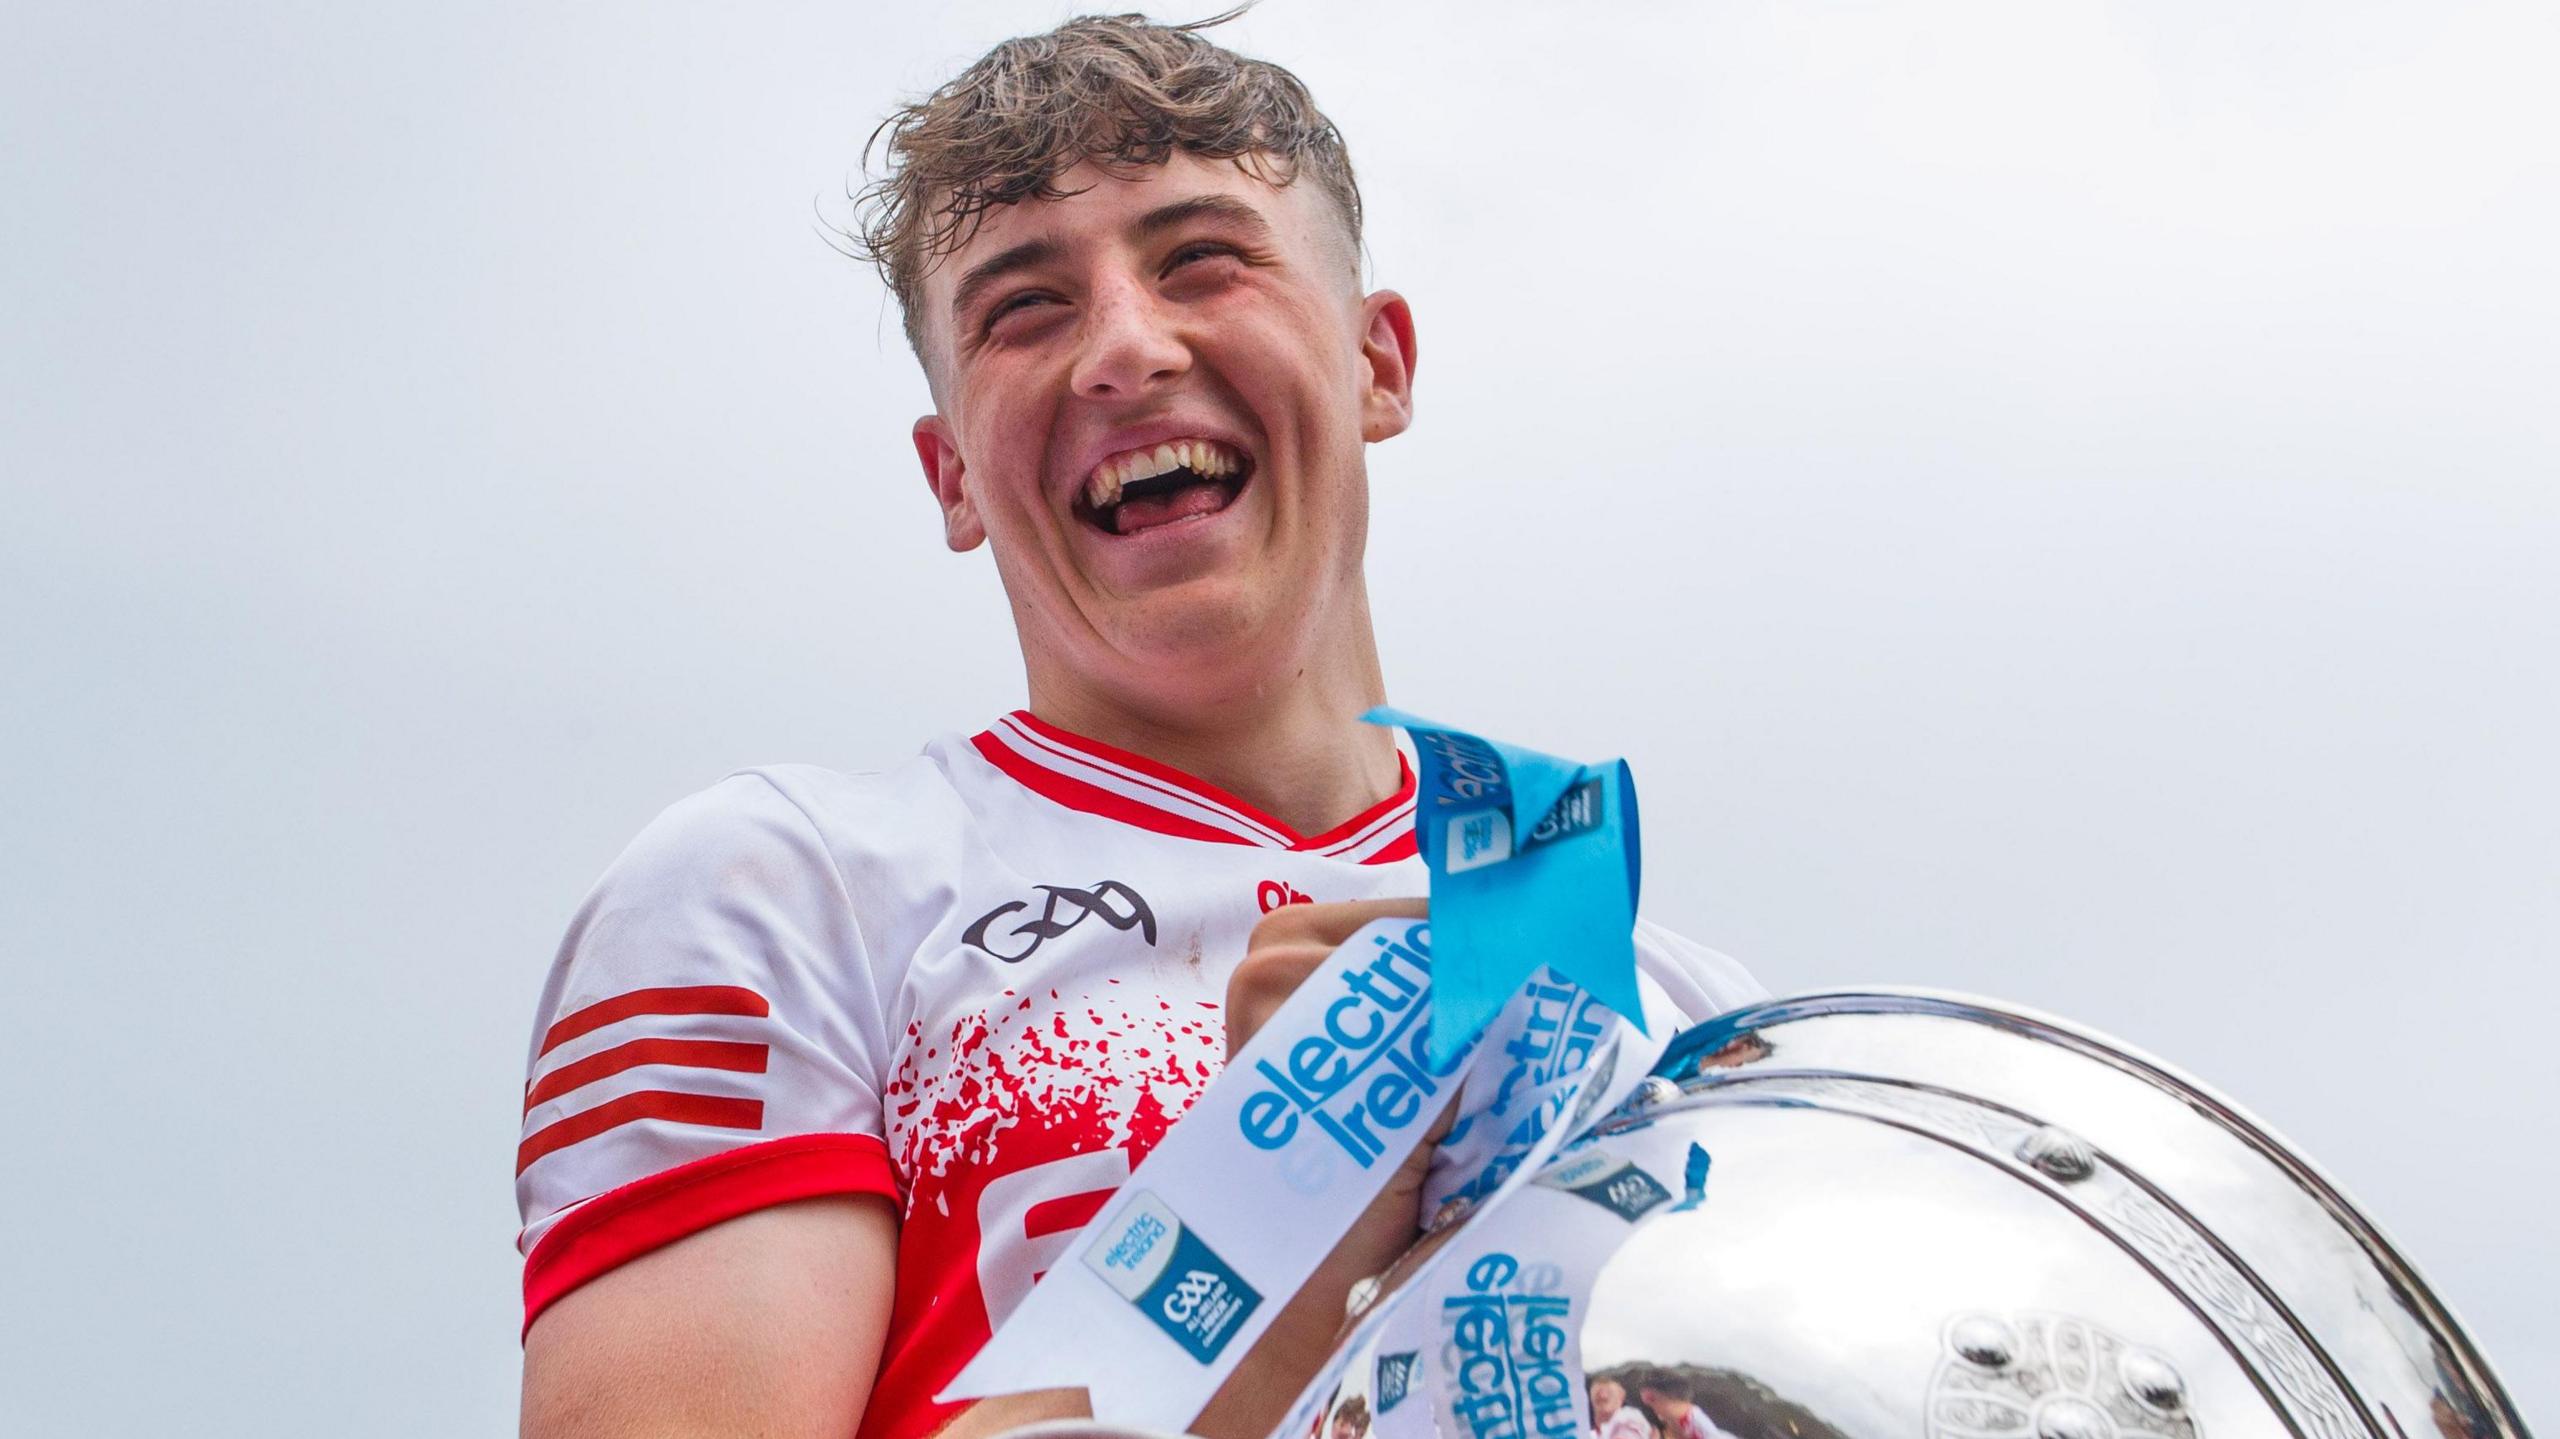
(1256, 1397)
(989, 1417)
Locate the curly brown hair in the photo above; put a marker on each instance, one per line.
(1118, 90)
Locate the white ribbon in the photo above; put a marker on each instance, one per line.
(1159, 1298)
(1485, 1338)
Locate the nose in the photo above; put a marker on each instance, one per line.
(1128, 346)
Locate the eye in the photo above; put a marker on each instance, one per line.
(1015, 303)
(1196, 250)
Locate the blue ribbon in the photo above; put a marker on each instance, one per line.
(1533, 862)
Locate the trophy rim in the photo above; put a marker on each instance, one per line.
(1679, 1064)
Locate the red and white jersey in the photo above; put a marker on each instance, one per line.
(981, 984)
(1696, 1425)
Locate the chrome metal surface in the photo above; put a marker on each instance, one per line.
(1904, 1214)
(1654, 1090)
(1364, 1292)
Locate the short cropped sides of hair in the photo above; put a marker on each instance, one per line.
(1120, 91)
(1670, 1385)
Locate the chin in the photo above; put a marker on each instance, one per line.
(1212, 623)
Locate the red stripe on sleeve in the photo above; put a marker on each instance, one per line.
(716, 1110)
(686, 999)
(687, 1053)
(622, 1224)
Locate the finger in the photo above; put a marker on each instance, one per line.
(1330, 924)
(1288, 945)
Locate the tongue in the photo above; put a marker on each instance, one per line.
(1145, 512)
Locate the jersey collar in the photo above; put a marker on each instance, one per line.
(1099, 779)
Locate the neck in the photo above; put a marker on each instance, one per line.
(1291, 744)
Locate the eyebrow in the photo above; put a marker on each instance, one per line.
(1027, 255)
(1042, 250)
(1202, 207)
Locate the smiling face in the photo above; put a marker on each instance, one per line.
(1153, 399)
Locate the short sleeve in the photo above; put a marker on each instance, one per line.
(709, 1043)
(1701, 982)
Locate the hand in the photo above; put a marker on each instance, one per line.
(1288, 945)
(1291, 943)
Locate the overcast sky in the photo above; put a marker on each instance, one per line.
(2056, 500)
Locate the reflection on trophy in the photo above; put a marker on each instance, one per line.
(1900, 1215)
(1895, 1214)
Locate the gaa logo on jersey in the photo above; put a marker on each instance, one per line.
(1194, 1296)
(1110, 901)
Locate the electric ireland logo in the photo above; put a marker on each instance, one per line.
(1180, 1283)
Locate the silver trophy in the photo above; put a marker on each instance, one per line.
(1902, 1215)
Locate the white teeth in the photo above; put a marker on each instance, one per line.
(1203, 457)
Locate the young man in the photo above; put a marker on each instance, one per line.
(831, 1066)
(1611, 1417)
(1674, 1402)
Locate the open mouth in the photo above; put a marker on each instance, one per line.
(1160, 485)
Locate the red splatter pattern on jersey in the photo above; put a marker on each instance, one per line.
(1030, 1081)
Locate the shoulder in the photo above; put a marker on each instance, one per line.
(723, 832)
(767, 851)
(1702, 982)
(919, 799)
(754, 820)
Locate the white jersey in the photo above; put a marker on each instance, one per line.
(1625, 1424)
(981, 984)
(1696, 1425)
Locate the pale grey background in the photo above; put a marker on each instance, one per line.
(2055, 499)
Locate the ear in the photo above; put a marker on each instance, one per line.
(1386, 348)
(944, 474)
